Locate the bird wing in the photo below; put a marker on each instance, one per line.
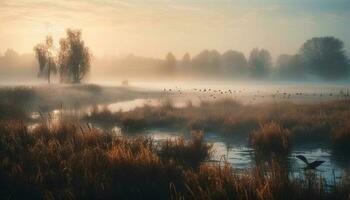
(302, 158)
(315, 164)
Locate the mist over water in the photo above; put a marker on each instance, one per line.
(186, 99)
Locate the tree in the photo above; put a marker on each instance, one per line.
(186, 60)
(325, 57)
(290, 67)
(170, 62)
(44, 54)
(234, 63)
(74, 57)
(207, 62)
(11, 54)
(260, 63)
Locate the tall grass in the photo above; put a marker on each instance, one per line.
(189, 153)
(270, 182)
(69, 161)
(306, 122)
(271, 138)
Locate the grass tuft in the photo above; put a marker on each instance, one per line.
(271, 138)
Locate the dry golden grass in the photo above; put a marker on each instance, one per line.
(68, 161)
(189, 153)
(306, 122)
(274, 182)
(271, 138)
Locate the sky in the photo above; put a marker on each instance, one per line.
(154, 27)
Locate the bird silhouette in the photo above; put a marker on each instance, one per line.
(312, 165)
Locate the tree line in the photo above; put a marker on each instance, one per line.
(321, 57)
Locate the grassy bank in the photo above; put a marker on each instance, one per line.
(305, 122)
(48, 97)
(70, 161)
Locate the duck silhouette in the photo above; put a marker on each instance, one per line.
(312, 165)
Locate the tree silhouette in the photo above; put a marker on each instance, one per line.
(44, 54)
(170, 62)
(260, 63)
(186, 60)
(325, 57)
(234, 63)
(207, 62)
(290, 67)
(11, 54)
(74, 57)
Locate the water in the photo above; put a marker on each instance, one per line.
(181, 93)
(234, 148)
(236, 151)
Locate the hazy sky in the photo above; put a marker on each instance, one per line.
(154, 27)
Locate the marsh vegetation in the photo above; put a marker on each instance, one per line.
(71, 161)
(239, 127)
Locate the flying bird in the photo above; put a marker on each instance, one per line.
(312, 165)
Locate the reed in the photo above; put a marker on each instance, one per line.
(71, 161)
(271, 138)
(306, 122)
(190, 153)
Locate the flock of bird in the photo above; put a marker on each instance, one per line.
(216, 93)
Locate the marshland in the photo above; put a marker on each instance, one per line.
(174, 100)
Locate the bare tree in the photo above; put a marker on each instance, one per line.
(74, 57)
(44, 54)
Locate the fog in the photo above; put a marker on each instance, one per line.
(185, 99)
(318, 59)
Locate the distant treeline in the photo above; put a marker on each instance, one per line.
(320, 58)
(14, 65)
